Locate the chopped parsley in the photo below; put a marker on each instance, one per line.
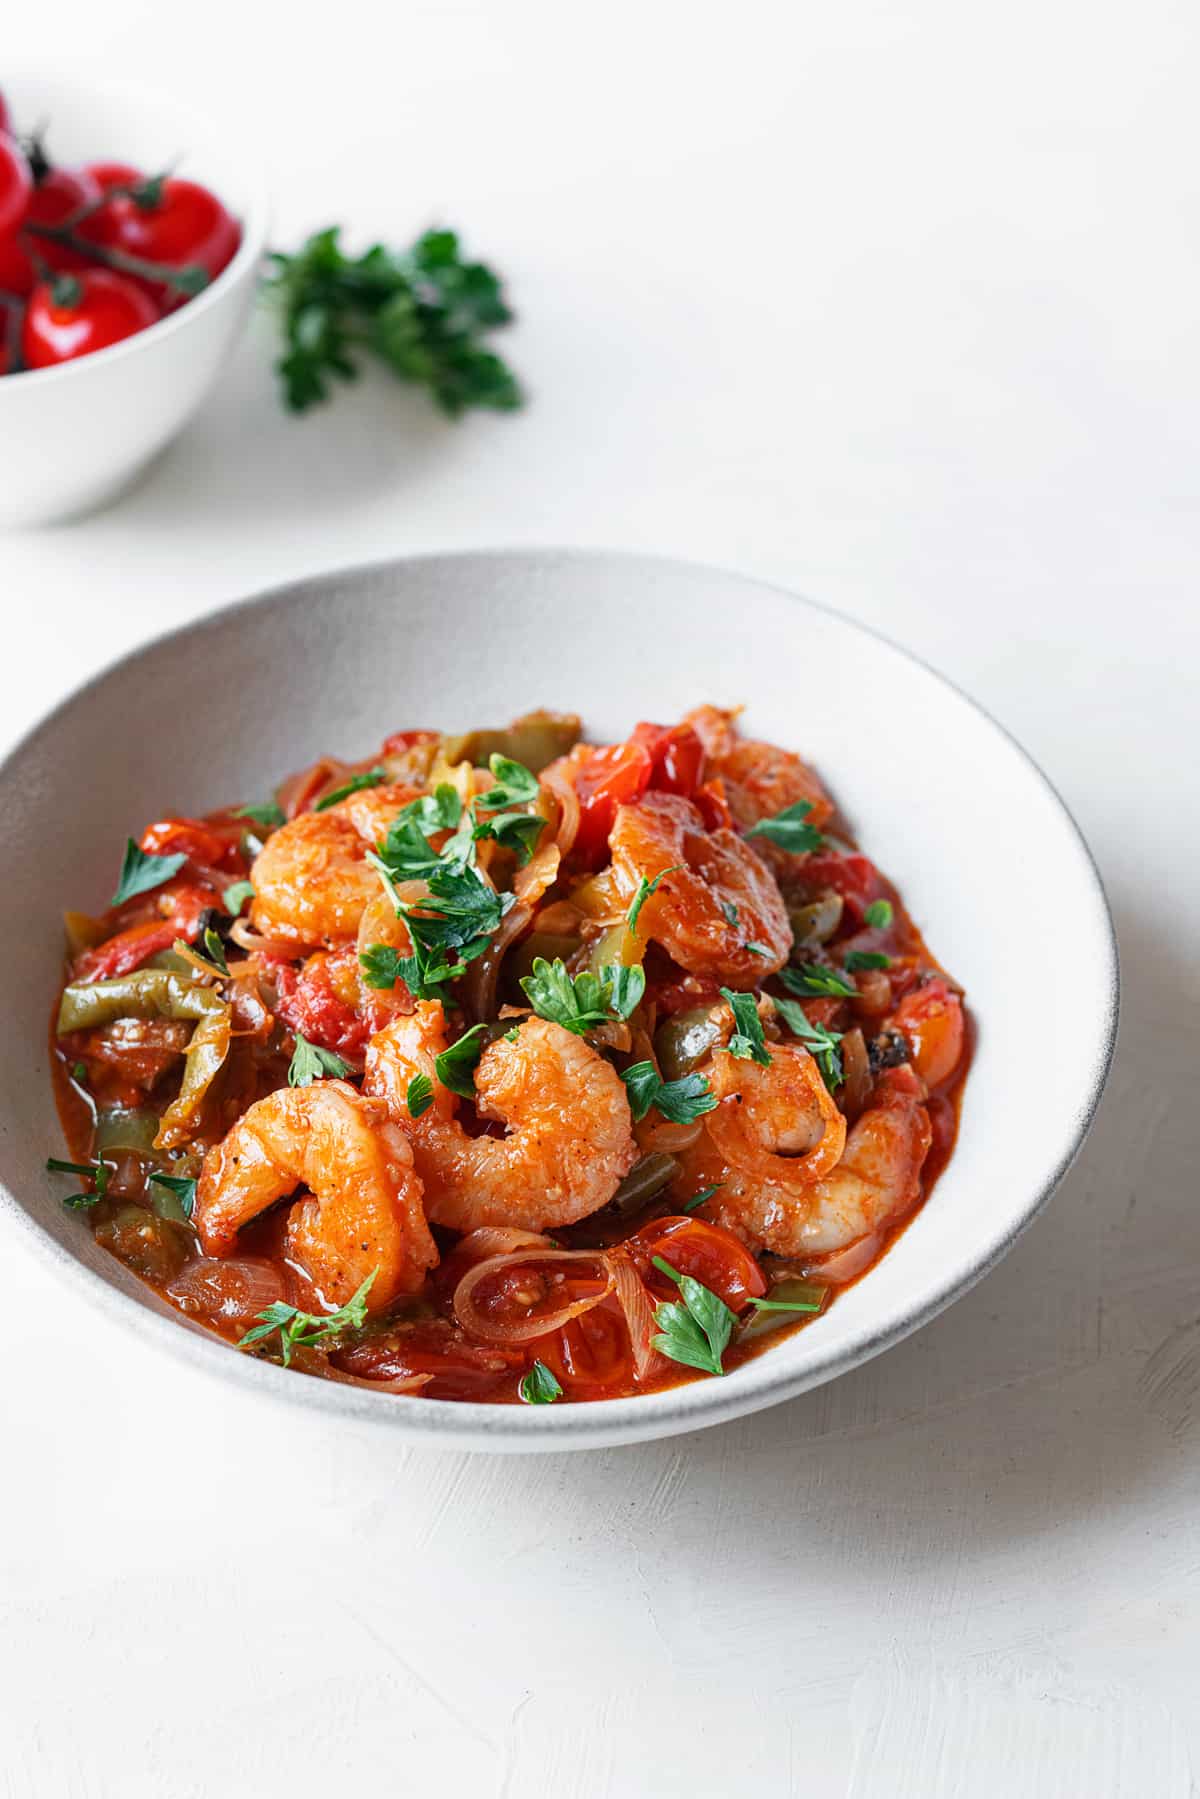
(879, 914)
(581, 1003)
(419, 1095)
(731, 913)
(516, 831)
(821, 1044)
(310, 1062)
(806, 1297)
(790, 829)
(699, 1199)
(679, 1101)
(539, 1386)
(516, 785)
(184, 1190)
(697, 1331)
(456, 1065)
(297, 1330)
(236, 896)
(866, 958)
(141, 873)
(216, 950)
(812, 981)
(644, 889)
(97, 1172)
(371, 777)
(380, 964)
(747, 1043)
(268, 817)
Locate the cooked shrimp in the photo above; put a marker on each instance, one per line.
(718, 912)
(381, 924)
(311, 881)
(777, 1124)
(570, 1134)
(364, 1212)
(760, 779)
(876, 1180)
(372, 810)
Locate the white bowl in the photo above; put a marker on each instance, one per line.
(982, 849)
(72, 437)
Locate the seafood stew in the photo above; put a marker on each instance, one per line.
(505, 1066)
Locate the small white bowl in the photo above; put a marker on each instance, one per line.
(72, 437)
(982, 849)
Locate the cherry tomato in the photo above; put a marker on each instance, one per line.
(56, 196)
(932, 1020)
(179, 911)
(315, 1000)
(855, 877)
(16, 186)
(606, 779)
(79, 313)
(713, 806)
(711, 1255)
(189, 225)
(202, 843)
(677, 757)
(592, 1355)
(108, 175)
(399, 741)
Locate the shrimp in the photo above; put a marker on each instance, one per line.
(373, 810)
(760, 779)
(312, 881)
(718, 911)
(570, 1135)
(876, 1179)
(364, 1212)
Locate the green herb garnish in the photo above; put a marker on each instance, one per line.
(456, 1065)
(141, 873)
(539, 1386)
(235, 897)
(879, 914)
(381, 966)
(698, 1199)
(790, 829)
(184, 1190)
(310, 1062)
(297, 1330)
(98, 1172)
(679, 1101)
(814, 981)
(79, 1071)
(419, 1095)
(581, 1003)
(866, 958)
(821, 1044)
(697, 1331)
(731, 912)
(216, 950)
(422, 312)
(371, 777)
(747, 1043)
(516, 785)
(644, 889)
(270, 816)
(808, 1299)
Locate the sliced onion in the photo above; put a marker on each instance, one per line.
(492, 1240)
(280, 949)
(229, 1291)
(401, 1383)
(857, 1066)
(524, 1330)
(562, 787)
(639, 1314)
(844, 1264)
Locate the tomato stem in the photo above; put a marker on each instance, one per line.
(190, 279)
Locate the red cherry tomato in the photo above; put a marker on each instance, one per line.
(189, 225)
(592, 1356)
(79, 313)
(711, 1255)
(713, 805)
(108, 175)
(56, 196)
(178, 912)
(932, 1020)
(608, 778)
(677, 755)
(16, 185)
(313, 1001)
(202, 843)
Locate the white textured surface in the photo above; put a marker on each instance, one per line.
(895, 305)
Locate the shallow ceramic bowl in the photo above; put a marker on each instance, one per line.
(73, 437)
(949, 805)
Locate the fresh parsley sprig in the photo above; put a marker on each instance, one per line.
(422, 312)
(456, 1066)
(235, 897)
(697, 1331)
(679, 1101)
(268, 817)
(747, 1043)
(790, 829)
(821, 1043)
(310, 1062)
(811, 981)
(297, 1329)
(371, 777)
(644, 889)
(582, 1002)
(418, 1095)
(866, 958)
(539, 1386)
(183, 1189)
(97, 1172)
(141, 873)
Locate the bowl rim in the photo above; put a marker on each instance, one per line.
(255, 222)
(767, 1379)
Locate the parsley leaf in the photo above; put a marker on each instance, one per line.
(539, 1387)
(696, 1332)
(731, 912)
(866, 958)
(456, 1065)
(235, 897)
(747, 1043)
(517, 831)
(418, 1095)
(381, 965)
(879, 914)
(806, 1297)
(184, 1190)
(141, 873)
(216, 950)
(698, 1199)
(310, 1062)
(813, 981)
(372, 777)
(515, 785)
(269, 817)
(97, 1171)
(644, 889)
(790, 830)
(422, 312)
(588, 1000)
(298, 1329)
(679, 1101)
(821, 1044)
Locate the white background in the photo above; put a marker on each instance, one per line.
(896, 304)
